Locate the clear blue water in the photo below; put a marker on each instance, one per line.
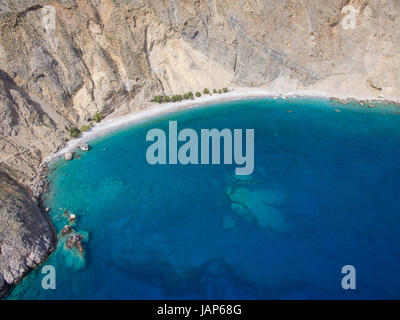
(324, 193)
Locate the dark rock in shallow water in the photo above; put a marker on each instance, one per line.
(66, 230)
(71, 218)
(74, 241)
(26, 237)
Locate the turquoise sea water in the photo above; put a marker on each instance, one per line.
(324, 193)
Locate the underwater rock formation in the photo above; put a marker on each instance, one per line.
(73, 251)
(259, 206)
(228, 223)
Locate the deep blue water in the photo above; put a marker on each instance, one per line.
(324, 193)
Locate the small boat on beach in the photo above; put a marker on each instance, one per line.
(84, 147)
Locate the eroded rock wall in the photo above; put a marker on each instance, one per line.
(26, 237)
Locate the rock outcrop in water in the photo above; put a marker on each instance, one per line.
(62, 61)
(26, 237)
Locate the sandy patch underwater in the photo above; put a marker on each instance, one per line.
(323, 194)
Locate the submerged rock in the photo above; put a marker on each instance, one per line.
(243, 212)
(240, 179)
(228, 223)
(259, 206)
(71, 249)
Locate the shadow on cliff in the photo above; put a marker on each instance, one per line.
(9, 84)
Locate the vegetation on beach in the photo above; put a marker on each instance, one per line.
(98, 117)
(85, 128)
(74, 132)
(186, 96)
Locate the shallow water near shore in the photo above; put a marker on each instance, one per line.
(324, 194)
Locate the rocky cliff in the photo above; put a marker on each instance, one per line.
(63, 61)
(26, 236)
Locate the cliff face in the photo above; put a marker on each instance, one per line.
(26, 237)
(62, 61)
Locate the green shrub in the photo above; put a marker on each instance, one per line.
(166, 99)
(98, 117)
(74, 132)
(214, 90)
(225, 90)
(158, 99)
(177, 97)
(85, 128)
(219, 91)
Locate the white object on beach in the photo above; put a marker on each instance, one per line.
(68, 156)
(84, 147)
